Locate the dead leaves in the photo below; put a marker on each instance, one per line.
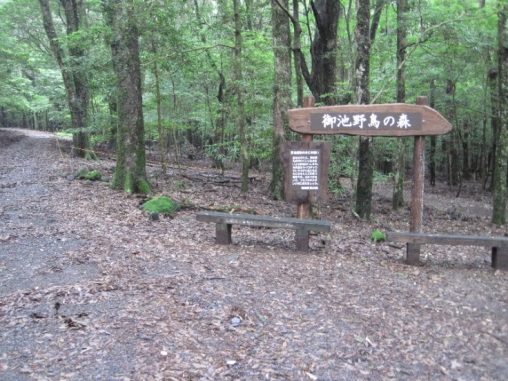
(141, 300)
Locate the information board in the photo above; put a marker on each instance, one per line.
(306, 170)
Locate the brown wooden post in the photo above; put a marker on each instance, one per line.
(303, 208)
(416, 218)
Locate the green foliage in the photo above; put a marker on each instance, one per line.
(180, 184)
(64, 134)
(94, 175)
(377, 236)
(84, 173)
(163, 205)
(449, 41)
(227, 151)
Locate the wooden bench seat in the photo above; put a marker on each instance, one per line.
(225, 221)
(499, 245)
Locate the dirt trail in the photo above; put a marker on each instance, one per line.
(91, 289)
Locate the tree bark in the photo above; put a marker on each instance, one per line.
(281, 93)
(398, 189)
(297, 58)
(70, 64)
(220, 122)
(499, 191)
(494, 121)
(160, 129)
(366, 157)
(322, 76)
(240, 112)
(130, 170)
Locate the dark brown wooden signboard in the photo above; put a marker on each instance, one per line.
(395, 119)
(306, 167)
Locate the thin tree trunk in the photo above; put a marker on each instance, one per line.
(220, 124)
(400, 167)
(160, 130)
(366, 157)
(494, 122)
(499, 191)
(240, 112)
(433, 139)
(297, 33)
(281, 93)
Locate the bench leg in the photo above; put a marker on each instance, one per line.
(302, 240)
(500, 258)
(223, 234)
(413, 254)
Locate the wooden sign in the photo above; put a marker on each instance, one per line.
(306, 167)
(395, 119)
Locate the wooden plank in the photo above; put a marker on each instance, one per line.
(447, 239)
(266, 221)
(426, 121)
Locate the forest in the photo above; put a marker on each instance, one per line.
(214, 79)
(107, 106)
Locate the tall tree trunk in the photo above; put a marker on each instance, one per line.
(366, 157)
(240, 112)
(70, 62)
(321, 79)
(281, 92)
(494, 121)
(400, 167)
(220, 124)
(453, 153)
(433, 138)
(160, 130)
(297, 33)
(499, 191)
(130, 169)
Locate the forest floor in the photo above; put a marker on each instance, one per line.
(91, 289)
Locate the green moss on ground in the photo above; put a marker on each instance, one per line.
(94, 175)
(162, 205)
(377, 236)
(85, 174)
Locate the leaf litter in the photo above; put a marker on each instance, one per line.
(92, 289)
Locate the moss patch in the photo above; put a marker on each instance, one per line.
(85, 174)
(162, 205)
(94, 175)
(377, 236)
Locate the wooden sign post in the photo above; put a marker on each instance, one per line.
(396, 119)
(303, 208)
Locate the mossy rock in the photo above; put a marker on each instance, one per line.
(81, 173)
(94, 175)
(377, 236)
(162, 205)
(85, 174)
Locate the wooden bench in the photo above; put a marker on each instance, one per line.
(499, 245)
(224, 222)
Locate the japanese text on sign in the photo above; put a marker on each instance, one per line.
(305, 169)
(377, 121)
